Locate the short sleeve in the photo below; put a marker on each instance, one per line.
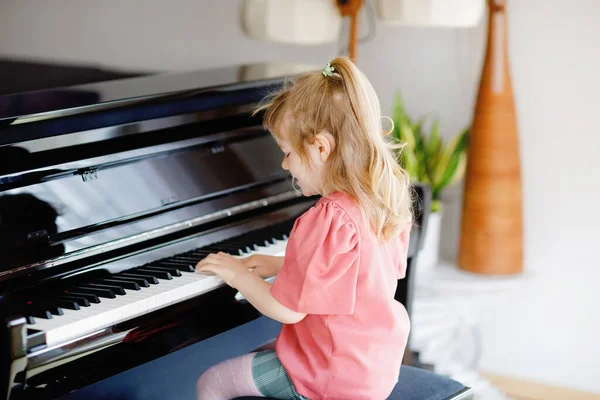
(320, 269)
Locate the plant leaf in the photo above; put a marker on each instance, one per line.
(410, 163)
(432, 150)
(460, 169)
(434, 144)
(417, 129)
(407, 136)
(436, 205)
(397, 116)
(398, 113)
(449, 163)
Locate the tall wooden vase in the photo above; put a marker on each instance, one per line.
(491, 239)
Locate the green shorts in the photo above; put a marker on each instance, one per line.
(270, 377)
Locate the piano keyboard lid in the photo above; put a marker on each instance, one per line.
(86, 167)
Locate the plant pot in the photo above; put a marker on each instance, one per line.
(430, 254)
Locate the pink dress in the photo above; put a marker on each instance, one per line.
(352, 341)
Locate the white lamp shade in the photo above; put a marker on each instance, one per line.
(434, 13)
(304, 22)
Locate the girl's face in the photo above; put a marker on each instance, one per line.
(309, 178)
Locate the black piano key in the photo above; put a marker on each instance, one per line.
(192, 258)
(115, 289)
(182, 266)
(40, 313)
(81, 301)
(173, 262)
(226, 248)
(141, 282)
(30, 320)
(136, 274)
(172, 270)
(243, 244)
(69, 304)
(234, 251)
(55, 310)
(155, 273)
(121, 283)
(106, 293)
(199, 254)
(91, 297)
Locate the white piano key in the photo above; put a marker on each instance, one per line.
(134, 303)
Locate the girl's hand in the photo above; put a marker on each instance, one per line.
(224, 266)
(265, 266)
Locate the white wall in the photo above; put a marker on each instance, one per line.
(554, 56)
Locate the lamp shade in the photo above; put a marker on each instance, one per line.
(302, 22)
(433, 13)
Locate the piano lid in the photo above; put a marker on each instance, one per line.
(61, 195)
(22, 113)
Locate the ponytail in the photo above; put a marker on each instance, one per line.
(363, 164)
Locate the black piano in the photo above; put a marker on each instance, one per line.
(110, 193)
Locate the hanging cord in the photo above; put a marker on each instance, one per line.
(345, 49)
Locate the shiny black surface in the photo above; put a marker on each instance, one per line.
(68, 213)
(115, 93)
(52, 112)
(61, 194)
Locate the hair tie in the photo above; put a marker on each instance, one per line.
(391, 122)
(328, 71)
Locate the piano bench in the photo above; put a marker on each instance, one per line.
(419, 384)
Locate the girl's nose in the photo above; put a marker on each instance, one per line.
(284, 164)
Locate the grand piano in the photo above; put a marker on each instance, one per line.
(110, 193)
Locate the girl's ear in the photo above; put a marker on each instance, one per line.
(324, 144)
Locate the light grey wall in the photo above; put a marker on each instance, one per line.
(554, 58)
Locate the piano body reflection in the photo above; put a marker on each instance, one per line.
(109, 195)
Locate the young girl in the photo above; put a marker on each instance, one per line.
(344, 335)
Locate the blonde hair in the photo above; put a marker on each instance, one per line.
(362, 164)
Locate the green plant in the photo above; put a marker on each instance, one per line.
(427, 159)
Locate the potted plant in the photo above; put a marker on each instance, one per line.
(429, 160)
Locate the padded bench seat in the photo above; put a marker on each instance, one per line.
(419, 384)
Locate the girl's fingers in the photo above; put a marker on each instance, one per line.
(207, 262)
(207, 268)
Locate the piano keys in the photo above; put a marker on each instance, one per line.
(108, 299)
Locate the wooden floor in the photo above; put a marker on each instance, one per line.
(526, 390)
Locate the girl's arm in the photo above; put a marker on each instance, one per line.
(257, 292)
(250, 285)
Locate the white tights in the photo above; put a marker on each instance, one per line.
(228, 380)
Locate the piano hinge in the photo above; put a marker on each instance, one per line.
(89, 174)
(218, 148)
(39, 235)
(169, 200)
